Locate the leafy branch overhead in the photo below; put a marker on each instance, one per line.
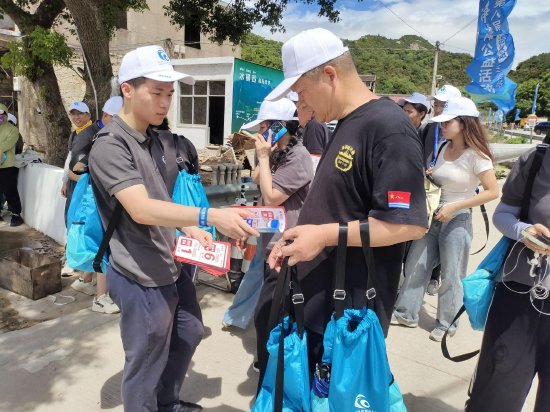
(234, 19)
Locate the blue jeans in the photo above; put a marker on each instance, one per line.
(244, 303)
(447, 244)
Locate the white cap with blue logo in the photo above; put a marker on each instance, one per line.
(79, 106)
(150, 62)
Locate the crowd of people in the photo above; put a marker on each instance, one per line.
(370, 172)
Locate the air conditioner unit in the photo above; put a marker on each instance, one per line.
(16, 84)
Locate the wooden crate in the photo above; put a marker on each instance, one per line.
(29, 273)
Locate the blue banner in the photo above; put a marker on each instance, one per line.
(494, 56)
(517, 118)
(534, 109)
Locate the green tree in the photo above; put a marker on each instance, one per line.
(42, 48)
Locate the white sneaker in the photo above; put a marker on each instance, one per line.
(66, 271)
(87, 288)
(104, 304)
(433, 287)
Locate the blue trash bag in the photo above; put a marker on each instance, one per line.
(479, 286)
(188, 191)
(296, 397)
(360, 374)
(85, 230)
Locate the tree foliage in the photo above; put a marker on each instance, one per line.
(234, 20)
(41, 44)
(401, 66)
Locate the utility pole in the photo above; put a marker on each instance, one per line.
(436, 60)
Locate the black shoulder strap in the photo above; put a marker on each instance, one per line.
(115, 218)
(369, 260)
(339, 294)
(534, 169)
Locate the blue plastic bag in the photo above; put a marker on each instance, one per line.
(188, 191)
(84, 228)
(296, 373)
(479, 286)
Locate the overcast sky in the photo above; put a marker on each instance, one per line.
(433, 19)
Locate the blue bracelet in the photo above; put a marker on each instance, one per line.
(203, 216)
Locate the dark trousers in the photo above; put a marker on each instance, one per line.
(515, 348)
(8, 186)
(160, 329)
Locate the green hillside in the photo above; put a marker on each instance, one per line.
(404, 65)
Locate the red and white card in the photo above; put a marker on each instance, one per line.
(214, 259)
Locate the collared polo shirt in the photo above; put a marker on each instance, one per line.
(121, 158)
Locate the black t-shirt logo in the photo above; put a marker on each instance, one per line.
(344, 160)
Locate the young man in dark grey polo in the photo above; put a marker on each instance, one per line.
(125, 166)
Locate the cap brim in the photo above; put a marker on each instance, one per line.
(253, 125)
(440, 98)
(443, 118)
(282, 89)
(171, 76)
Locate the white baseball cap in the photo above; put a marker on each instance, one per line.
(304, 52)
(446, 92)
(12, 118)
(80, 106)
(418, 98)
(113, 105)
(150, 62)
(282, 109)
(459, 106)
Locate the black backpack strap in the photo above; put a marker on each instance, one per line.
(115, 218)
(297, 298)
(367, 252)
(486, 220)
(445, 350)
(339, 294)
(277, 302)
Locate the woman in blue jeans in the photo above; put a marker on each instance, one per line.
(463, 162)
(283, 173)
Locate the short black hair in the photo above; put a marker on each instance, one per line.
(135, 83)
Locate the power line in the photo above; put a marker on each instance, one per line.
(403, 20)
(466, 25)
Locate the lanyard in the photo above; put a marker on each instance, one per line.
(436, 145)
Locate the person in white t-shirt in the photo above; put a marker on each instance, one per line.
(464, 161)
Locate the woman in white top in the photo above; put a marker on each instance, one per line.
(463, 162)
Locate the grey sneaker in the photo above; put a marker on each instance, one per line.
(438, 333)
(433, 287)
(398, 320)
(104, 304)
(87, 288)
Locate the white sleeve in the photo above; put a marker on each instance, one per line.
(65, 177)
(481, 164)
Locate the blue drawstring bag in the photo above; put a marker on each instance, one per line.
(354, 347)
(84, 228)
(360, 374)
(87, 243)
(479, 287)
(285, 386)
(188, 191)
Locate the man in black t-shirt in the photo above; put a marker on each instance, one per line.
(373, 157)
(315, 134)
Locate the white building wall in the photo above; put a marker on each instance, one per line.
(216, 68)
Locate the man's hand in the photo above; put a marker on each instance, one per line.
(204, 237)
(230, 222)
(307, 242)
(64, 189)
(535, 230)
